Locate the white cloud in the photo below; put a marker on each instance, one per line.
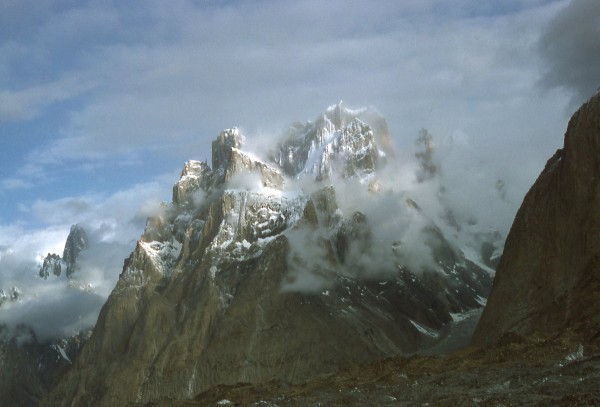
(170, 87)
(27, 103)
(14, 183)
(58, 306)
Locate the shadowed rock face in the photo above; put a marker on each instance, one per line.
(208, 296)
(548, 279)
(51, 265)
(30, 368)
(76, 242)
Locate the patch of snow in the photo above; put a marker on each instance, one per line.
(472, 255)
(575, 355)
(461, 316)
(265, 240)
(424, 330)
(482, 301)
(163, 254)
(63, 353)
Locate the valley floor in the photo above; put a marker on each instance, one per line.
(517, 371)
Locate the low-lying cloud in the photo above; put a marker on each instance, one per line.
(404, 219)
(58, 306)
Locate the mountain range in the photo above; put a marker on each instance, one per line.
(280, 267)
(263, 269)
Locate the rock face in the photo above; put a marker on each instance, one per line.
(548, 279)
(51, 265)
(30, 364)
(30, 368)
(242, 280)
(76, 242)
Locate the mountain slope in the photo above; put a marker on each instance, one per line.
(256, 272)
(548, 279)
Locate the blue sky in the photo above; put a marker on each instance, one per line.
(101, 102)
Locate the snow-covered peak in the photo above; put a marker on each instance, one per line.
(193, 176)
(339, 114)
(229, 163)
(338, 141)
(221, 147)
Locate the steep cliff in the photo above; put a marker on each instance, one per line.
(246, 277)
(30, 367)
(77, 241)
(548, 279)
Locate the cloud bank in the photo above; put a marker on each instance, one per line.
(570, 49)
(458, 206)
(107, 87)
(59, 306)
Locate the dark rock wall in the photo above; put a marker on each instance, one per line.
(548, 279)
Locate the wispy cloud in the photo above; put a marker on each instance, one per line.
(174, 77)
(27, 103)
(14, 183)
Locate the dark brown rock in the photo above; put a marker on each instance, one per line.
(548, 279)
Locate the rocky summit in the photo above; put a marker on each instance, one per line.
(261, 270)
(548, 280)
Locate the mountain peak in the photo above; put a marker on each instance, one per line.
(76, 242)
(240, 279)
(221, 147)
(340, 142)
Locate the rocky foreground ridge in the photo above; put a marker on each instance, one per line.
(257, 271)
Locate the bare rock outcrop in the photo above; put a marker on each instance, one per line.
(51, 265)
(76, 242)
(548, 279)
